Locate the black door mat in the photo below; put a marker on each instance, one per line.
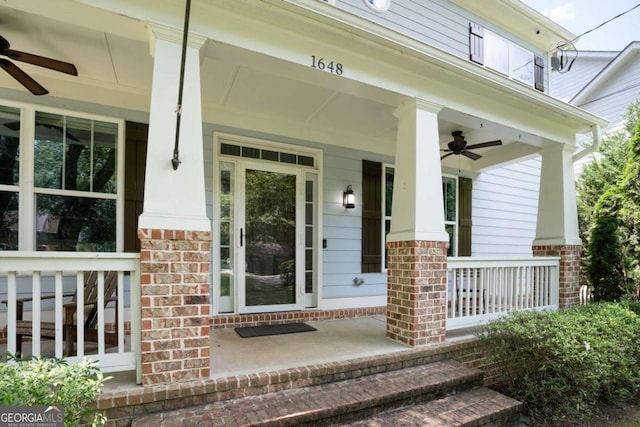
(265, 330)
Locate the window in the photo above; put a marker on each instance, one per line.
(492, 51)
(9, 177)
(73, 187)
(456, 192)
(450, 196)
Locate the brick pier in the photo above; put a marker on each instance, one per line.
(417, 292)
(175, 307)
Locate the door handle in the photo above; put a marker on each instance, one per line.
(241, 237)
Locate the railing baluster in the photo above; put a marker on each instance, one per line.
(120, 309)
(79, 313)
(36, 313)
(59, 326)
(11, 312)
(100, 307)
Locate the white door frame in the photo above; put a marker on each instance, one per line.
(240, 209)
(231, 304)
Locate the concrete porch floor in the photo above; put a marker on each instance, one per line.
(334, 341)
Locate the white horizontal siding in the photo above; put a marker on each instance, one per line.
(505, 204)
(436, 22)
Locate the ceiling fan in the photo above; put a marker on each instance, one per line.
(459, 146)
(23, 78)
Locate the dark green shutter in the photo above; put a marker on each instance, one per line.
(135, 155)
(476, 43)
(371, 216)
(464, 216)
(538, 73)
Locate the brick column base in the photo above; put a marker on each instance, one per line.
(417, 292)
(569, 271)
(174, 283)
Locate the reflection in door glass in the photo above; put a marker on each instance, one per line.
(270, 238)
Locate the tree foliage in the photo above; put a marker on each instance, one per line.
(609, 211)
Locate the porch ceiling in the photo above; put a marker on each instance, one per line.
(239, 88)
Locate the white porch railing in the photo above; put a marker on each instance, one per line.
(482, 289)
(45, 283)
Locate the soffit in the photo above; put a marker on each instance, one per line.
(273, 92)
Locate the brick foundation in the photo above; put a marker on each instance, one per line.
(175, 306)
(569, 271)
(416, 292)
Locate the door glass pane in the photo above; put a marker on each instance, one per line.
(226, 228)
(269, 238)
(308, 229)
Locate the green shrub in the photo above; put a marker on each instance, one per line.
(53, 382)
(562, 364)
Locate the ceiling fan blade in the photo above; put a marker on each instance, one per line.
(40, 61)
(23, 78)
(471, 155)
(485, 144)
(446, 155)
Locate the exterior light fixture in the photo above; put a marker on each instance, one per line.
(348, 198)
(378, 5)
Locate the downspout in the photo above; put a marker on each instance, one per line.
(596, 134)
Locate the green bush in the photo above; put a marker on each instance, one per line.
(561, 365)
(53, 382)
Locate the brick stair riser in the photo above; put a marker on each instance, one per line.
(355, 411)
(176, 397)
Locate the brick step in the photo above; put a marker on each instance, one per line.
(324, 404)
(476, 407)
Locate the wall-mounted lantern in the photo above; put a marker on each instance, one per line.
(348, 198)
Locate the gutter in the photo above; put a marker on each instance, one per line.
(596, 133)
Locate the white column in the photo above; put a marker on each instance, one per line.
(174, 199)
(557, 211)
(418, 210)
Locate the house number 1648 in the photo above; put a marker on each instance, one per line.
(322, 64)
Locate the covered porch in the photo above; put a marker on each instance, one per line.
(397, 105)
(479, 290)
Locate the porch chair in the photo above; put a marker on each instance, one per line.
(47, 329)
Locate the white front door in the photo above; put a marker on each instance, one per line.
(269, 233)
(266, 231)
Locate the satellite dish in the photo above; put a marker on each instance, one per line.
(378, 5)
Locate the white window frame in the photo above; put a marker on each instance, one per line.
(454, 222)
(26, 187)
